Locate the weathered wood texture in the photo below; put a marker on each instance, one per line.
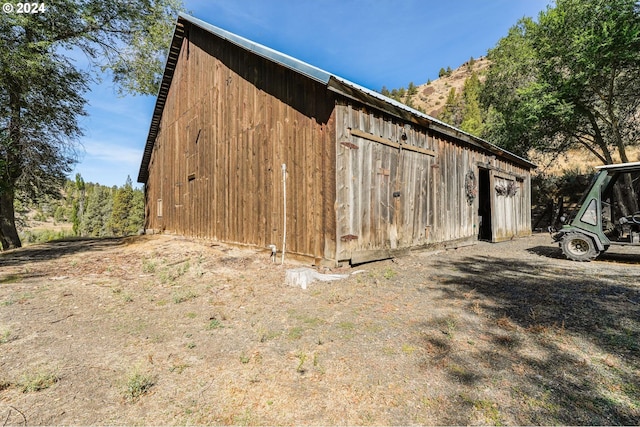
(511, 212)
(230, 121)
(401, 186)
(363, 181)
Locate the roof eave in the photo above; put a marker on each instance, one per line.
(333, 83)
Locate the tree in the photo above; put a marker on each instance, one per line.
(98, 212)
(570, 80)
(78, 206)
(42, 89)
(119, 223)
(472, 120)
(451, 112)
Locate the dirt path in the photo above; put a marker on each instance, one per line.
(166, 330)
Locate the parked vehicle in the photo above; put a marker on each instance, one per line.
(609, 214)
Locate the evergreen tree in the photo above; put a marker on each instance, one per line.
(472, 121)
(451, 111)
(98, 213)
(78, 205)
(119, 223)
(412, 89)
(136, 218)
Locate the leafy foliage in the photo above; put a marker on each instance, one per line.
(570, 80)
(42, 87)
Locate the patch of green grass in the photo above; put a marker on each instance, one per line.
(313, 321)
(295, 333)
(269, 334)
(5, 337)
(137, 385)
(347, 326)
(214, 324)
(179, 368)
(38, 380)
(11, 278)
(43, 236)
(302, 357)
(489, 410)
(20, 298)
(408, 349)
(148, 266)
(184, 296)
(389, 273)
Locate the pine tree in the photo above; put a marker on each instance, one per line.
(122, 207)
(472, 120)
(451, 112)
(98, 213)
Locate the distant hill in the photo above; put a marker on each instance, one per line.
(430, 97)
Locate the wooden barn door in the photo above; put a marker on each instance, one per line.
(382, 199)
(505, 196)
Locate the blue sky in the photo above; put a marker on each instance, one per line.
(374, 43)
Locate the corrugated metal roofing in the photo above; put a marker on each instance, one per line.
(333, 82)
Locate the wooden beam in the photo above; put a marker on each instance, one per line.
(371, 137)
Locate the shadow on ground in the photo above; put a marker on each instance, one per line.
(617, 254)
(583, 322)
(56, 249)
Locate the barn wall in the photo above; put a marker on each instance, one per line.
(230, 121)
(400, 186)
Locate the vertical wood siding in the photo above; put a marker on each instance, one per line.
(230, 121)
(361, 184)
(374, 161)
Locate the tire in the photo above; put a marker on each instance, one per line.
(578, 247)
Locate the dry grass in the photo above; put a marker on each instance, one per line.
(492, 334)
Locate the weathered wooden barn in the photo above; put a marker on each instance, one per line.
(248, 145)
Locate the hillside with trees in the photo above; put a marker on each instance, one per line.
(82, 210)
(43, 86)
(567, 82)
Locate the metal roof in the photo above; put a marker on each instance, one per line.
(633, 166)
(334, 83)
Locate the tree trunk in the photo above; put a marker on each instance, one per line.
(8, 232)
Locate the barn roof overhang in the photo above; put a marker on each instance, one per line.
(334, 83)
(402, 111)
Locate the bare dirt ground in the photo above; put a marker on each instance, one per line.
(165, 330)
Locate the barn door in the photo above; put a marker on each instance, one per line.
(381, 199)
(505, 193)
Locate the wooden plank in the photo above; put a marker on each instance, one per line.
(375, 138)
(390, 143)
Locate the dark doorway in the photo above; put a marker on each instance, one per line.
(484, 205)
